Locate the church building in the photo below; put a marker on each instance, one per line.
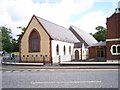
(113, 36)
(44, 41)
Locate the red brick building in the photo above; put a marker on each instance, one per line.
(113, 37)
(98, 51)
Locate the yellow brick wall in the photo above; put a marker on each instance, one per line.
(44, 43)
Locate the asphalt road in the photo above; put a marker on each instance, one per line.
(60, 78)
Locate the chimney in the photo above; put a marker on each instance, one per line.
(118, 8)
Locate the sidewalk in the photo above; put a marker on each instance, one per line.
(63, 63)
(25, 64)
(62, 66)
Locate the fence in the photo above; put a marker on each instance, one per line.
(36, 59)
(10, 58)
(41, 59)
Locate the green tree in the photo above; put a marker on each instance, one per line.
(20, 35)
(6, 39)
(15, 46)
(100, 35)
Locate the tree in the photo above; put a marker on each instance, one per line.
(20, 35)
(15, 46)
(100, 35)
(6, 39)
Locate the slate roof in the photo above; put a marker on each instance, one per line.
(57, 32)
(83, 36)
(101, 43)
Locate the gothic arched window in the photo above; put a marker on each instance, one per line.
(70, 50)
(57, 49)
(34, 41)
(64, 50)
(118, 48)
(114, 49)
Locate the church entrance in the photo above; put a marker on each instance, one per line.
(77, 55)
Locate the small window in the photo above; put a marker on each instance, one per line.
(40, 55)
(23, 55)
(36, 55)
(114, 49)
(64, 50)
(100, 52)
(31, 55)
(27, 55)
(70, 50)
(45, 55)
(57, 49)
(118, 48)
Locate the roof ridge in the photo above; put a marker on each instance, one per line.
(79, 29)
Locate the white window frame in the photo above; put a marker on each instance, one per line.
(111, 50)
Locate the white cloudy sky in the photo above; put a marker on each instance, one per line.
(84, 14)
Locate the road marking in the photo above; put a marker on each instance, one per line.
(68, 82)
(7, 71)
(38, 70)
(42, 69)
(52, 70)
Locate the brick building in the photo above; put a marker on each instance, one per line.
(113, 37)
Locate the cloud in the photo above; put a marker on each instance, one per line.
(91, 20)
(15, 13)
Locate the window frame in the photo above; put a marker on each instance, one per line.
(64, 50)
(116, 46)
(57, 49)
(69, 50)
(30, 41)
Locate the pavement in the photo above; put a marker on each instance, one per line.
(17, 67)
(61, 65)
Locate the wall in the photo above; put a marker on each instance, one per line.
(44, 44)
(113, 26)
(67, 56)
(113, 35)
(92, 53)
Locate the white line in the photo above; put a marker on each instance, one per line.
(66, 82)
(52, 70)
(16, 71)
(7, 71)
(42, 69)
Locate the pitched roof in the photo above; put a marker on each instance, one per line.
(83, 36)
(57, 32)
(101, 43)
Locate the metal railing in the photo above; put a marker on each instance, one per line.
(10, 58)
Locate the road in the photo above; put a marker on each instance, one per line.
(60, 78)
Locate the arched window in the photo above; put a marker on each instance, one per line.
(57, 49)
(64, 50)
(118, 48)
(34, 41)
(114, 49)
(70, 50)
